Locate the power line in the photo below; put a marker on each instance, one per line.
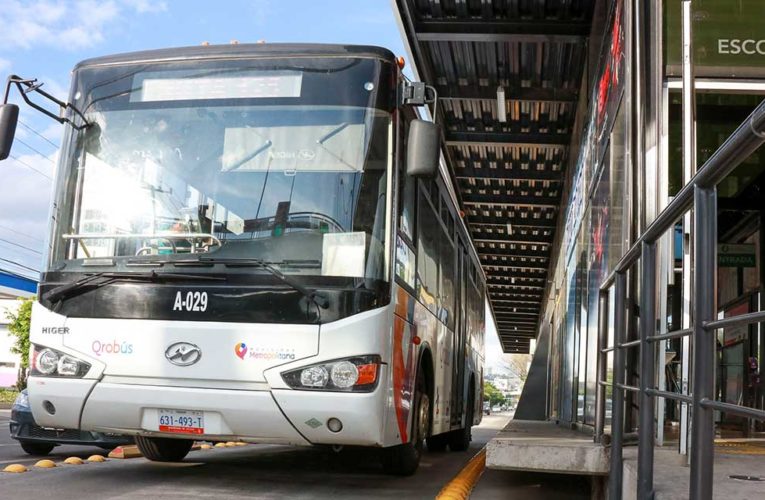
(35, 150)
(20, 246)
(20, 265)
(31, 168)
(38, 134)
(19, 232)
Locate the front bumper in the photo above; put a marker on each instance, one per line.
(278, 416)
(24, 428)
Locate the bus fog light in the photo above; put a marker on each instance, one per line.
(334, 424)
(344, 374)
(47, 361)
(49, 407)
(314, 376)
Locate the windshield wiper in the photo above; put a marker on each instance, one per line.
(97, 280)
(312, 295)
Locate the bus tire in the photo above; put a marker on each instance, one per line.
(459, 440)
(438, 443)
(163, 449)
(404, 459)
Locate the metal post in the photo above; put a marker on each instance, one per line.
(646, 421)
(602, 369)
(704, 346)
(617, 412)
(689, 168)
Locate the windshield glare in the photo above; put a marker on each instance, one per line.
(169, 177)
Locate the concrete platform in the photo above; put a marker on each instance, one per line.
(541, 446)
(672, 475)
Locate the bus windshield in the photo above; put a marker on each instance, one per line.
(228, 160)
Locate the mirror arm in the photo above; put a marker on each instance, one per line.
(26, 86)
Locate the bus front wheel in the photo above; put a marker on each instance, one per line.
(403, 460)
(163, 449)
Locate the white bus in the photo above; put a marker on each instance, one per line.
(253, 242)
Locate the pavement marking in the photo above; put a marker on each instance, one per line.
(463, 483)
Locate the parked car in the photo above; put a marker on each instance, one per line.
(37, 440)
(486, 408)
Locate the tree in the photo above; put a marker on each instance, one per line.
(517, 364)
(19, 328)
(492, 394)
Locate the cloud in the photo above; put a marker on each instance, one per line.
(143, 6)
(69, 25)
(4, 64)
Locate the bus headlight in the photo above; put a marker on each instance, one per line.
(357, 374)
(344, 374)
(47, 362)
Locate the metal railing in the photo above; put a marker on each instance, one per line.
(699, 194)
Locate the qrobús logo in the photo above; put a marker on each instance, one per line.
(242, 351)
(112, 347)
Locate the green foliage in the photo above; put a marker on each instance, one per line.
(492, 394)
(19, 328)
(8, 395)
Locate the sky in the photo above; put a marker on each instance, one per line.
(45, 39)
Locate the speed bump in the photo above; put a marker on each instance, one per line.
(15, 468)
(220, 445)
(230, 444)
(74, 461)
(130, 451)
(45, 464)
(206, 447)
(96, 458)
(240, 443)
(460, 487)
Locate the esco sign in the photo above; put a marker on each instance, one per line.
(735, 46)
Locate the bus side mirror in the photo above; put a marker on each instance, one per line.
(423, 150)
(9, 115)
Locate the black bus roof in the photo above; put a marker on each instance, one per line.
(241, 50)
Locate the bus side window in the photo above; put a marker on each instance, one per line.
(407, 192)
(428, 230)
(407, 185)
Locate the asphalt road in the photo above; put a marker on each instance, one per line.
(263, 472)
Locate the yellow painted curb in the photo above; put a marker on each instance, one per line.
(220, 445)
(130, 451)
(74, 461)
(460, 487)
(96, 458)
(15, 468)
(45, 464)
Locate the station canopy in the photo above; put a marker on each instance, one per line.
(506, 159)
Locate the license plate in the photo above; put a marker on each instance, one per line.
(182, 421)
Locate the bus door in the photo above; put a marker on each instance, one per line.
(459, 337)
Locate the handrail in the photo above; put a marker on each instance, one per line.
(670, 335)
(741, 319)
(742, 142)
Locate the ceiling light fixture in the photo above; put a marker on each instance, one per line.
(501, 105)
